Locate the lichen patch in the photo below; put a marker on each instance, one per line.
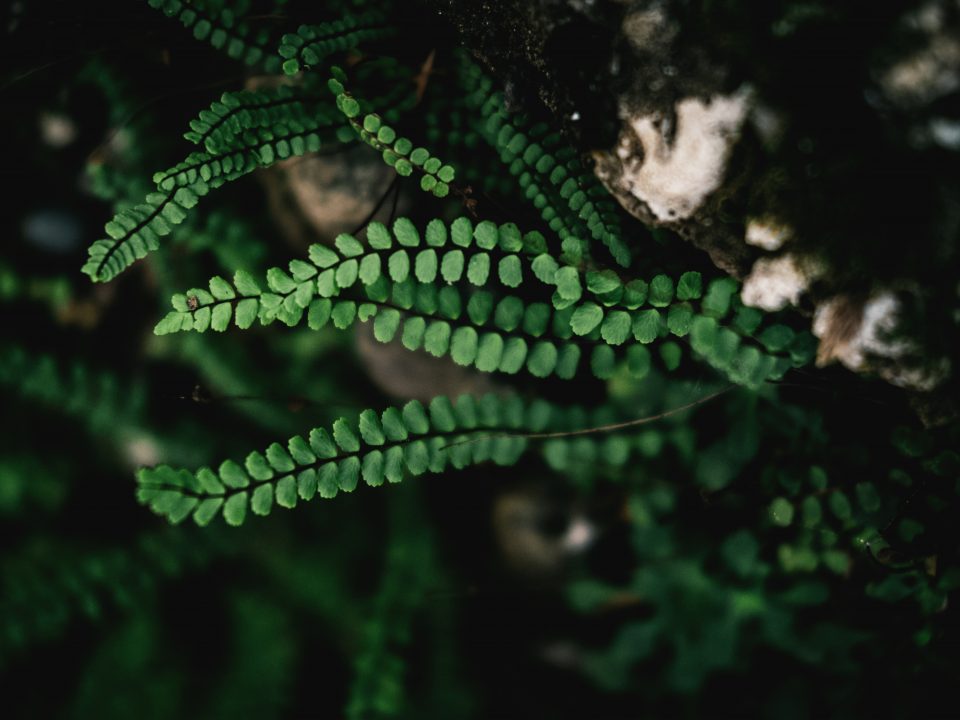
(673, 164)
(767, 233)
(776, 282)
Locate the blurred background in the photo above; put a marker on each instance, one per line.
(784, 553)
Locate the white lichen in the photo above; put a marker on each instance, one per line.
(776, 282)
(934, 70)
(878, 320)
(767, 234)
(679, 167)
(874, 343)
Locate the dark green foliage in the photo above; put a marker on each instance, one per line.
(212, 22)
(44, 587)
(312, 43)
(706, 505)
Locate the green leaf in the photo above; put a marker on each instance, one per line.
(781, 512)
(449, 303)
(442, 416)
(220, 317)
(393, 464)
(545, 268)
(542, 359)
(370, 429)
(603, 361)
(348, 245)
(321, 444)
(287, 492)
(616, 327)
(634, 294)
(776, 338)
(417, 457)
(415, 418)
(385, 324)
(370, 269)
(638, 361)
(378, 236)
(603, 281)
(436, 235)
(671, 354)
(585, 318)
(426, 266)
(262, 500)
(348, 473)
(509, 313)
(328, 480)
(661, 291)
(345, 437)
(372, 468)
(478, 270)
(486, 235)
(536, 318)
(406, 232)
(279, 458)
(399, 266)
(221, 289)
(464, 345)
(690, 286)
(513, 356)
(489, 352)
(279, 281)
(680, 319)
(568, 283)
(461, 232)
(207, 510)
(393, 425)
(235, 509)
(509, 271)
(258, 467)
(646, 326)
(436, 339)
(343, 314)
(321, 256)
(233, 475)
(307, 484)
(318, 314)
(414, 330)
(451, 267)
(300, 451)
(716, 303)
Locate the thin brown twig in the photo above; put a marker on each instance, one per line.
(613, 427)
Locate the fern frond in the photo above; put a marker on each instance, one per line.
(29, 483)
(53, 291)
(311, 44)
(463, 252)
(44, 588)
(261, 660)
(99, 399)
(397, 152)
(381, 447)
(570, 200)
(136, 231)
(217, 128)
(220, 27)
(400, 275)
(378, 689)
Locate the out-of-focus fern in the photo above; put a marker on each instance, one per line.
(741, 516)
(44, 588)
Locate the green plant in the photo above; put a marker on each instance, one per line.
(618, 366)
